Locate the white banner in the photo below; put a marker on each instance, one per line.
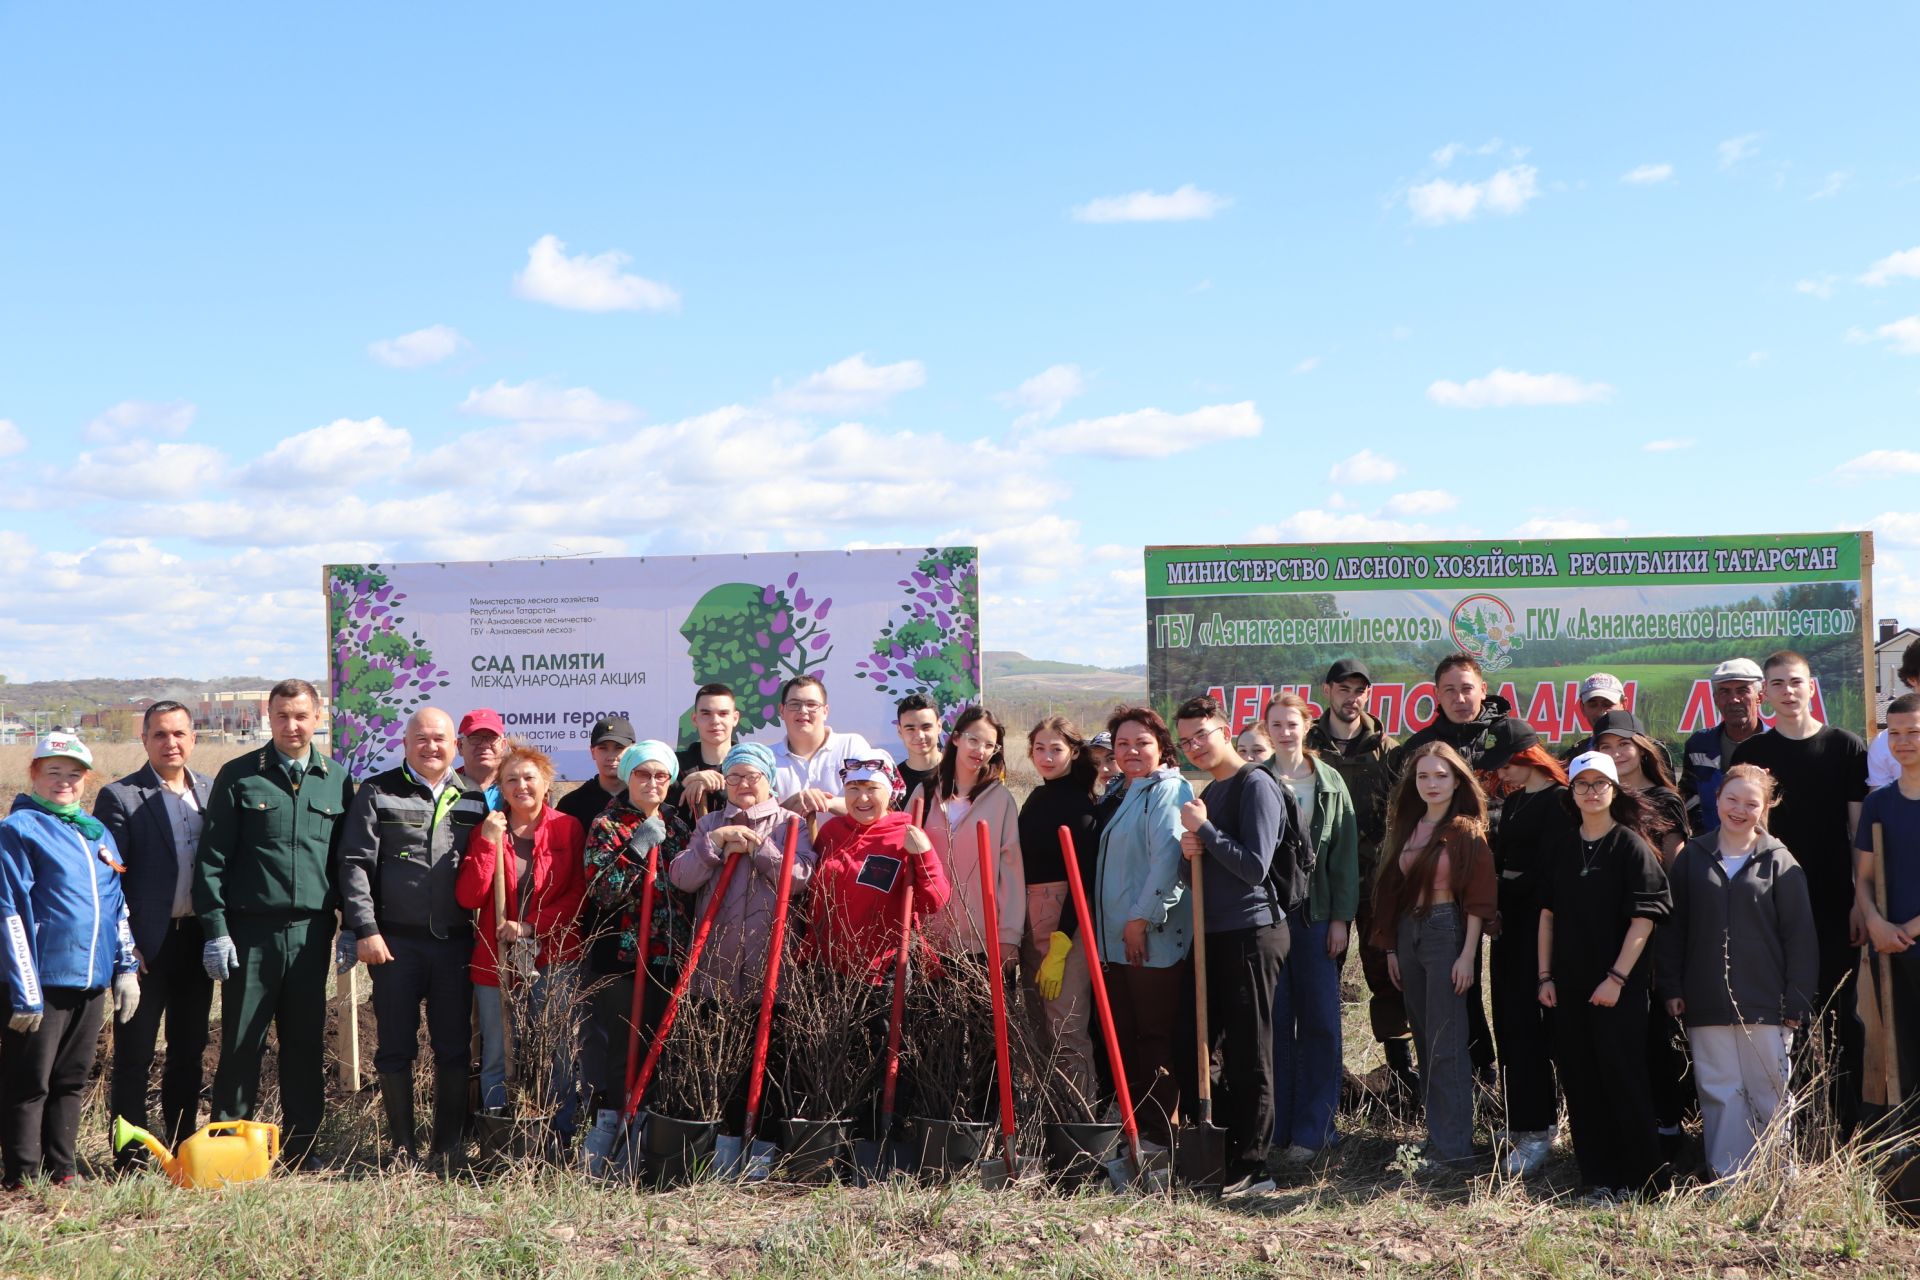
(554, 645)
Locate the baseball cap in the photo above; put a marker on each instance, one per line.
(482, 720)
(1602, 685)
(1624, 723)
(1346, 667)
(1737, 669)
(63, 745)
(613, 729)
(1506, 739)
(1102, 740)
(1593, 762)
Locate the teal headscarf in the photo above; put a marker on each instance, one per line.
(755, 754)
(644, 750)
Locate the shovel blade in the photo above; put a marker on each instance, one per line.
(1200, 1157)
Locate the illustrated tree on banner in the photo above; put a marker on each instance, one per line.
(754, 638)
(382, 674)
(931, 646)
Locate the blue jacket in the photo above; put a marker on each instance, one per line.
(1138, 877)
(60, 907)
(1700, 774)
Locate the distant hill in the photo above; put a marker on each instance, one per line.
(74, 698)
(1008, 672)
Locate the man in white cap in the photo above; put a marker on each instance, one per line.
(1709, 752)
(1599, 694)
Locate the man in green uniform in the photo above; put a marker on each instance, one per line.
(264, 887)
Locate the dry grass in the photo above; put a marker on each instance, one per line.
(111, 760)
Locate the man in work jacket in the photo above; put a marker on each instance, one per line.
(399, 856)
(264, 889)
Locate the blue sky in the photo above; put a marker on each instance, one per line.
(1263, 273)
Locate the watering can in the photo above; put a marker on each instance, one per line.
(225, 1151)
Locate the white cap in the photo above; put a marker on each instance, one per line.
(1593, 761)
(1603, 685)
(1736, 669)
(66, 745)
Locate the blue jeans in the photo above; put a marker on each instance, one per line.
(493, 1059)
(1429, 945)
(1306, 1040)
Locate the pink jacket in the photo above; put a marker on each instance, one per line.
(735, 957)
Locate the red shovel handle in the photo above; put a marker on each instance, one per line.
(1002, 1058)
(902, 961)
(645, 1075)
(640, 942)
(1098, 979)
(757, 1076)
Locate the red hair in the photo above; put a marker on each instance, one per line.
(1535, 756)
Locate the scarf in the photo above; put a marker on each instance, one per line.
(73, 815)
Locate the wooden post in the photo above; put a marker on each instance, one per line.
(346, 1030)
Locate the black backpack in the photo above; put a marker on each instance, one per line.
(1290, 874)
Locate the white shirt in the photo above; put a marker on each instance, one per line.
(1882, 768)
(183, 811)
(1732, 862)
(817, 772)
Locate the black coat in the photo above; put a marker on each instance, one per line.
(134, 810)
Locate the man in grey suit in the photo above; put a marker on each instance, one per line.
(156, 815)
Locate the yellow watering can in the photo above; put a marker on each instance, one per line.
(225, 1151)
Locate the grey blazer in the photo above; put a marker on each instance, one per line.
(135, 811)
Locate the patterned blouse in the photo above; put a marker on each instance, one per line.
(616, 874)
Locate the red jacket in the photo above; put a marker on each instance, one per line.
(858, 888)
(559, 886)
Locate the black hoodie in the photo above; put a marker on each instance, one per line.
(1469, 739)
(1361, 762)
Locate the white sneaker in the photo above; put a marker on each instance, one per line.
(1528, 1154)
(1298, 1157)
(1254, 1184)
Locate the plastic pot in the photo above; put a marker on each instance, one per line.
(679, 1151)
(942, 1148)
(816, 1149)
(1078, 1154)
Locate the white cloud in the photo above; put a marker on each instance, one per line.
(1506, 388)
(141, 420)
(1151, 433)
(1307, 365)
(1364, 467)
(1904, 265)
(1831, 187)
(588, 282)
(1667, 446)
(1441, 201)
(12, 439)
(1446, 155)
(1734, 150)
(149, 469)
(851, 385)
(425, 346)
(1041, 397)
(539, 402)
(343, 452)
(1421, 502)
(1184, 204)
(1564, 527)
(1878, 463)
(1820, 286)
(1756, 358)
(1902, 335)
(1316, 525)
(1646, 175)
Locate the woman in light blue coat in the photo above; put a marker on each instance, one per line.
(1146, 920)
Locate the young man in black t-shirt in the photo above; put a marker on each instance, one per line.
(699, 789)
(917, 721)
(1822, 775)
(585, 802)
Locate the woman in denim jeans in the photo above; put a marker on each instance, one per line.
(1434, 895)
(1306, 1014)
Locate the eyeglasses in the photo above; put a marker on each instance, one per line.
(1188, 744)
(1593, 788)
(799, 707)
(658, 777)
(979, 743)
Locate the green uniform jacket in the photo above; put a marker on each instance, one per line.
(267, 850)
(1335, 836)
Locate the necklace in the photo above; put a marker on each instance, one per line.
(1589, 853)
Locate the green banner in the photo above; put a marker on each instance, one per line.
(1539, 616)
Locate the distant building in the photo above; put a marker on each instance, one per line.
(242, 713)
(118, 722)
(1887, 652)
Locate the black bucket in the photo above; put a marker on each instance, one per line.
(679, 1151)
(1078, 1154)
(1900, 1181)
(942, 1148)
(817, 1150)
(504, 1136)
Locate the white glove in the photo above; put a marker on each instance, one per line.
(219, 958)
(24, 1023)
(126, 996)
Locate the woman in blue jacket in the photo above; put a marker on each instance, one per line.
(67, 942)
(1145, 920)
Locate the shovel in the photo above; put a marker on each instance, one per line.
(641, 943)
(1900, 1165)
(496, 1128)
(869, 1162)
(763, 1030)
(1003, 1059)
(1200, 1147)
(1097, 978)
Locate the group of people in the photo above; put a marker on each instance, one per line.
(1628, 909)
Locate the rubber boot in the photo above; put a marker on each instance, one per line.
(396, 1096)
(1405, 1100)
(450, 1116)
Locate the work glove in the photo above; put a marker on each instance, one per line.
(24, 1023)
(523, 955)
(346, 952)
(219, 958)
(126, 996)
(1054, 968)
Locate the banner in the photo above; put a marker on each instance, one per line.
(1659, 613)
(554, 645)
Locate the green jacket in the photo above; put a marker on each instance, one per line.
(1335, 835)
(267, 850)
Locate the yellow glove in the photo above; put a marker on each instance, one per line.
(1054, 967)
